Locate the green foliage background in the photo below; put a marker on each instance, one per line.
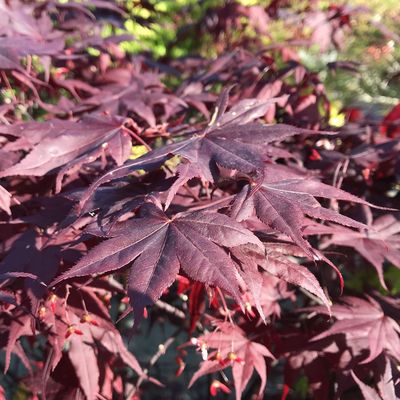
(163, 30)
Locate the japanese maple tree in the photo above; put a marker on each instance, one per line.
(206, 194)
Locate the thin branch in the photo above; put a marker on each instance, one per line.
(162, 349)
(137, 137)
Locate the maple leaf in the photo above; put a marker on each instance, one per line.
(284, 199)
(130, 90)
(113, 342)
(385, 386)
(278, 266)
(58, 143)
(84, 360)
(48, 48)
(380, 242)
(89, 331)
(237, 350)
(159, 245)
(13, 48)
(104, 332)
(233, 141)
(29, 259)
(365, 327)
(230, 140)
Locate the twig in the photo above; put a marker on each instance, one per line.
(312, 297)
(162, 349)
(176, 312)
(343, 174)
(137, 137)
(226, 309)
(213, 203)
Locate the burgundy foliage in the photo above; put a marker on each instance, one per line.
(231, 224)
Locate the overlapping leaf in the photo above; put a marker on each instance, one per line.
(248, 356)
(386, 385)
(59, 143)
(365, 327)
(285, 198)
(277, 265)
(83, 357)
(231, 140)
(139, 93)
(381, 242)
(158, 245)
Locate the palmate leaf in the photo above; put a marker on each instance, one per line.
(381, 242)
(365, 326)
(231, 140)
(278, 266)
(284, 199)
(139, 92)
(159, 245)
(228, 339)
(59, 143)
(83, 357)
(386, 384)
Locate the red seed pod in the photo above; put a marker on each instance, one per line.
(233, 357)
(181, 366)
(366, 172)
(314, 156)
(52, 299)
(72, 329)
(183, 284)
(218, 357)
(217, 386)
(86, 318)
(213, 298)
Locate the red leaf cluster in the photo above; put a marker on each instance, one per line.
(231, 225)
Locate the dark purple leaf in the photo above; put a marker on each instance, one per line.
(158, 245)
